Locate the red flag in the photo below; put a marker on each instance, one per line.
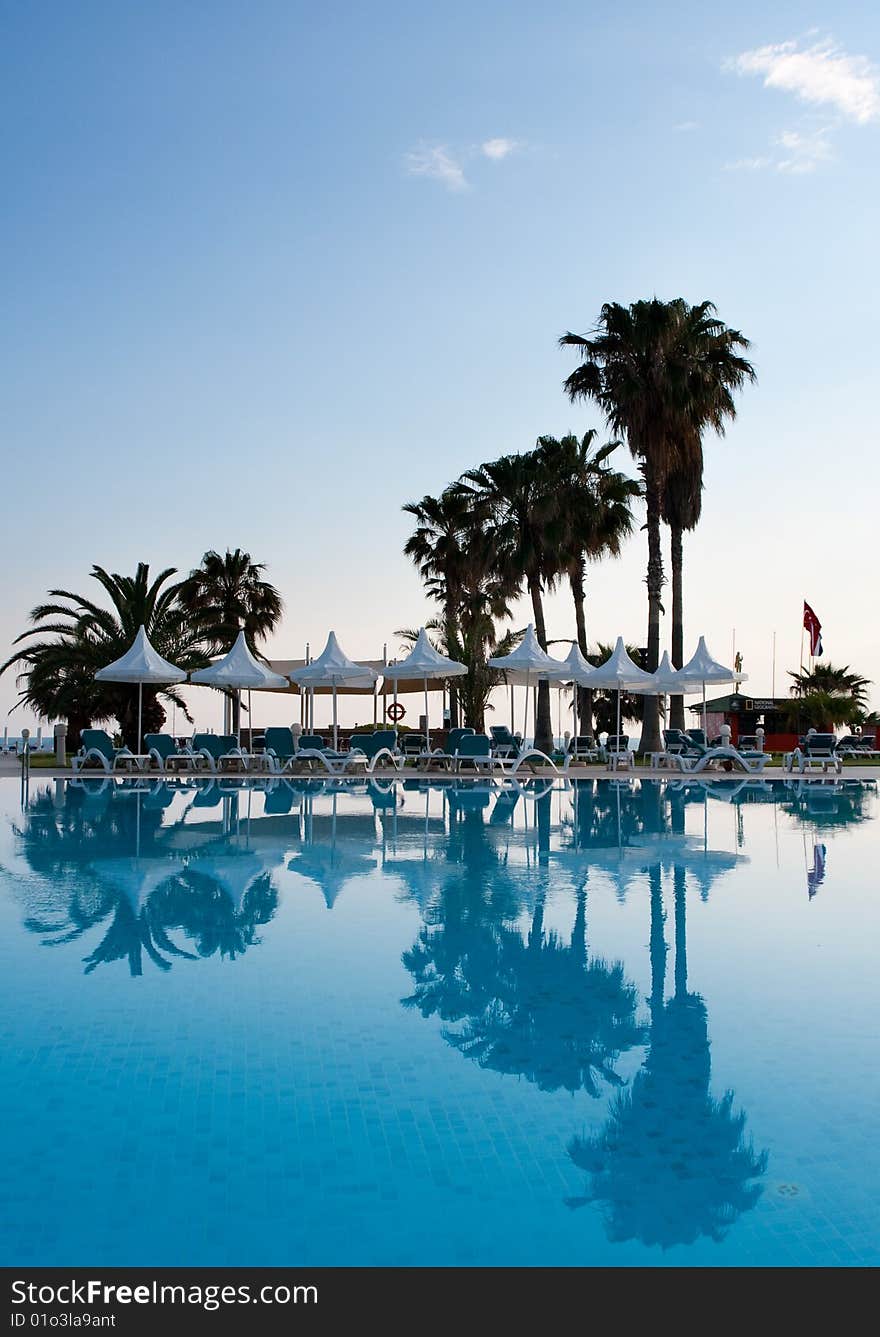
(814, 627)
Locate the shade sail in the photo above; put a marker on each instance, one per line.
(528, 663)
(141, 664)
(424, 661)
(239, 669)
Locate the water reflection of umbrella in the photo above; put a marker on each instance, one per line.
(332, 857)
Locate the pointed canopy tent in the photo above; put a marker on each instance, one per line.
(239, 669)
(582, 675)
(529, 664)
(620, 673)
(141, 664)
(333, 668)
(425, 662)
(702, 669)
(667, 680)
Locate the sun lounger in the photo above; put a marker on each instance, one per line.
(618, 753)
(582, 747)
(697, 760)
(218, 752)
(378, 747)
(504, 743)
(817, 750)
(474, 751)
(97, 749)
(166, 755)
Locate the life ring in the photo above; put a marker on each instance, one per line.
(396, 711)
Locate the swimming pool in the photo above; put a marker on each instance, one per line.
(602, 1023)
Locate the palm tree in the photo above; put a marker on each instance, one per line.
(440, 546)
(526, 539)
(225, 595)
(71, 639)
(228, 594)
(681, 506)
(595, 503)
(663, 372)
(827, 695)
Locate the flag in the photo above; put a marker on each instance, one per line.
(816, 874)
(814, 627)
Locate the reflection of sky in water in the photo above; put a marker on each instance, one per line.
(618, 1023)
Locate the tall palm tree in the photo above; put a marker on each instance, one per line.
(439, 546)
(663, 372)
(526, 538)
(595, 504)
(681, 505)
(73, 636)
(225, 595)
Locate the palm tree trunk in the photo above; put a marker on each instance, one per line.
(676, 703)
(451, 631)
(657, 943)
(577, 580)
(651, 722)
(543, 721)
(681, 969)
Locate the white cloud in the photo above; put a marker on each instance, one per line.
(748, 164)
(803, 153)
(797, 154)
(686, 125)
(437, 163)
(496, 149)
(821, 73)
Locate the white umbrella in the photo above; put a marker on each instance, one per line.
(333, 668)
(141, 664)
(581, 672)
(701, 669)
(528, 664)
(239, 669)
(668, 681)
(621, 674)
(423, 661)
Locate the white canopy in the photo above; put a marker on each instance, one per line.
(581, 670)
(424, 661)
(701, 669)
(620, 673)
(141, 664)
(332, 668)
(667, 680)
(527, 665)
(239, 669)
(528, 662)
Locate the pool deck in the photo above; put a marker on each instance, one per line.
(11, 767)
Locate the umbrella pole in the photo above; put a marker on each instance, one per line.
(140, 716)
(512, 720)
(618, 717)
(335, 728)
(704, 710)
(250, 734)
(427, 724)
(526, 712)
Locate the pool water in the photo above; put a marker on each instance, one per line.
(611, 1022)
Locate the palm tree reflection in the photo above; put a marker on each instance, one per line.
(534, 1005)
(87, 846)
(671, 1163)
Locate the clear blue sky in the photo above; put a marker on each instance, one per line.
(272, 269)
